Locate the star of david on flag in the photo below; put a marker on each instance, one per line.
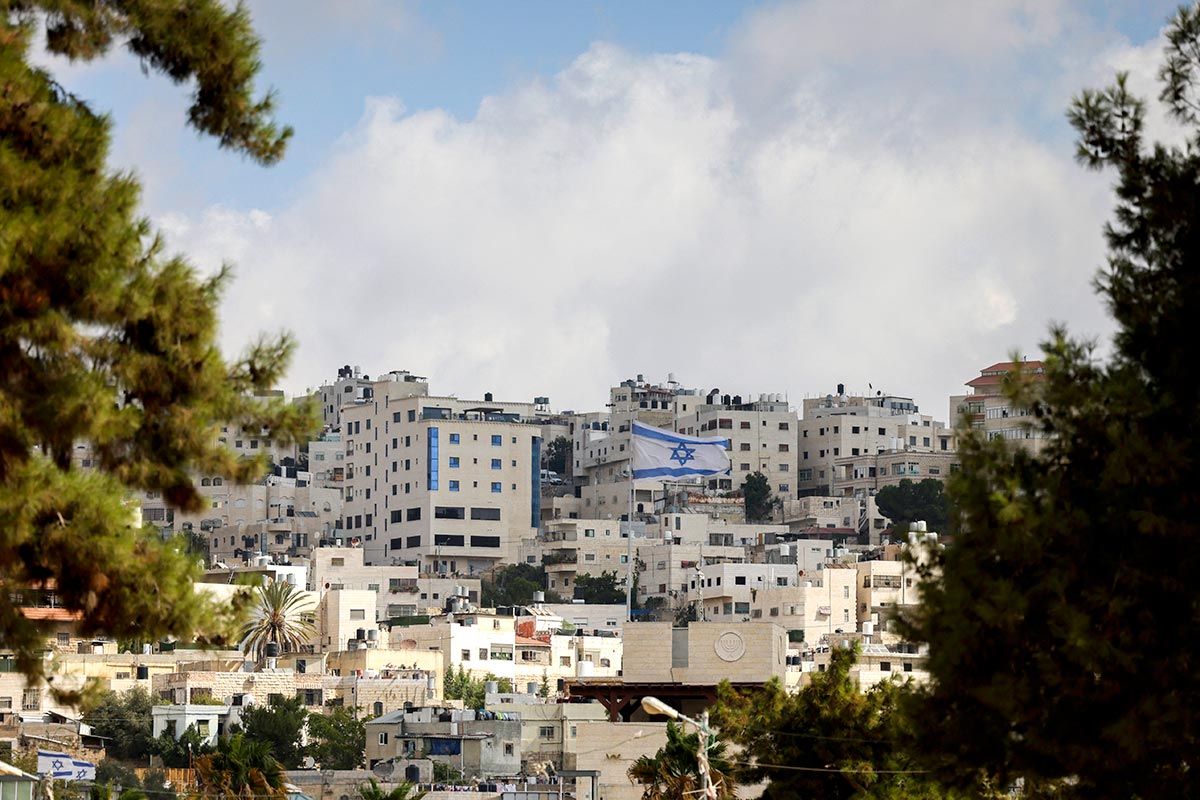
(659, 453)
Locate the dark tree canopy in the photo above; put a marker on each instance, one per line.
(756, 492)
(281, 725)
(337, 740)
(599, 589)
(107, 340)
(909, 502)
(1063, 624)
(829, 740)
(514, 585)
(558, 455)
(126, 720)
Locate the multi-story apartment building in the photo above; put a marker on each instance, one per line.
(350, 387)
(839, 426)
(761, 433)
(725, 591)
(451, 485)
(762, 436)
(822, 604)
(572, 547)
(988, 409)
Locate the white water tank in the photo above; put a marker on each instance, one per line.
(919, 526)
(584, 669)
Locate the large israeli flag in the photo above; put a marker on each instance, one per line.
(659, 453)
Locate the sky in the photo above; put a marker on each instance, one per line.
(546, 198)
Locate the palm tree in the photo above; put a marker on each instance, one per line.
(672, 771)
(373, 791)
(242, 768)
(283, 616)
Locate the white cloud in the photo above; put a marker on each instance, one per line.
(844, 197)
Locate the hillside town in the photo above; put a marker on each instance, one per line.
(393, 532)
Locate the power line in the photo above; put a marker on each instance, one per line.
(842, 770)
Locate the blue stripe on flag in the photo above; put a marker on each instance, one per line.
(650, 432)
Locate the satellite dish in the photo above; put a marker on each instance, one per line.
(309, 762)
(384, 769)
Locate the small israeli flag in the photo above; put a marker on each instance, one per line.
(63, 766)
(659, 453)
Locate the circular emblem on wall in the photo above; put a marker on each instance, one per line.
(729, 646)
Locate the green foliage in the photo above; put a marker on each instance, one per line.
(673, 771)
(240, 768)
(514, 585)
(558, 455)
(179, 753)
(909, 502)
(373, 791)
(127, 722)
(444, 773)
(760, 502)
(103, 791)
(600, 588)
(686, 614)
(459, 685)
(281, 614)
(1062, 622)
(337, 740)
(105, 339)
(854, 741)
(281, 725)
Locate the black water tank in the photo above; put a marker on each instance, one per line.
(143, 672)
(272, 649)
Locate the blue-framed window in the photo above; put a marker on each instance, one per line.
(497, 440)
(453, 462)
(454, 486)
(497, 463)
(496, 487)
(454, 438)
(431, 475)
(535, 482)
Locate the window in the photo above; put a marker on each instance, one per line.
(739, 580)
(496, 487)
(383, 738)
(449, 512)
(745, 446)
(497, 440)
(492, 514)
(546, 732)
(885, 666)
(454, 486)
(497, 463)
(453, 462)
(454, 438)
(31, 700)
(358, 613)
(337, 562)
(783, 426)
(466, 654)
(845, 592)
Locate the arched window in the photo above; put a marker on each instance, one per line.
(378, 709)
(217, 481)
(205, 482)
